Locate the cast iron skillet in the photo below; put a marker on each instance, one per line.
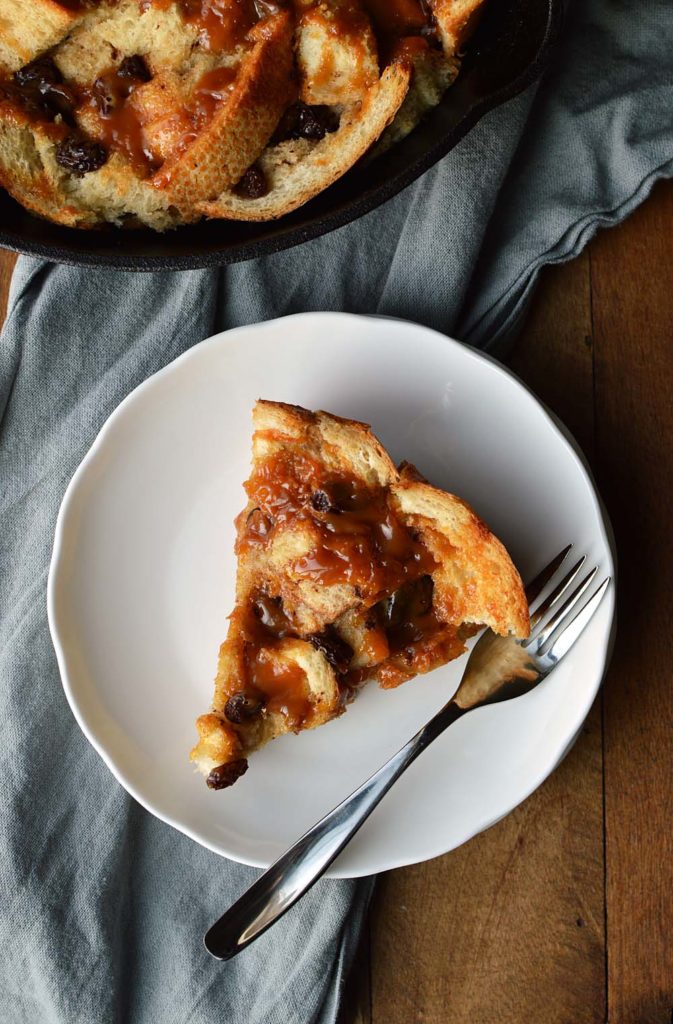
(509, 50)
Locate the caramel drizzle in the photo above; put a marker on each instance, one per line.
(222, 25)
(120, 124)
(361, 542)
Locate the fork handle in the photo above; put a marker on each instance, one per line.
(304, 863)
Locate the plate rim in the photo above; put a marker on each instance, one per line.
(58, 564)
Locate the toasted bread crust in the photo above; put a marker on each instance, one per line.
(294, 183)
(456, 21)
(243, 125)
(325, 631)
(477, 582)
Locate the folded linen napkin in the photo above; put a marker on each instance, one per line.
(104, 906)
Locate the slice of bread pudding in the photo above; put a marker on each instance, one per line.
(348, 569)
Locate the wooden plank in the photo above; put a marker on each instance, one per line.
(7, 261)
(510, 927)
(554, 353)
(631, 272)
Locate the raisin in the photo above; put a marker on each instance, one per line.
(226, 774)
(253, 184)
(258, 524)
(335, 649)
(134, 67)
(320, 501)
(423, 596)
(301, 121)
(265, 8)
(38, 73)
(31, 102)
(104, 97)
(41, 91)
(80, 155)
(59, 100)
(241, 706)
(315, 122)
(410, 602)
(430, 30)
(270, 612)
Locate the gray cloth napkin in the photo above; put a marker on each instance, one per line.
(103, 906)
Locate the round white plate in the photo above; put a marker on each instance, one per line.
(142, 581)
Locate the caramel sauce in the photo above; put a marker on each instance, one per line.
(402, 29)
(120, 125)
(425, 654)
(280, 489)
(362, 542)
(272, 622)
(210, 91)
(396, 17)
(374, 645)
(365, 545)
(225, 25)
(407, 49)
(282, 686)
(222, 25)
(405, 637)
(419, 646)
(346, 22)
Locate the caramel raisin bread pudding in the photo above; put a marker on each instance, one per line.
(160, 112)
(348, 569)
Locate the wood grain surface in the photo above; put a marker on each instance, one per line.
(632, 294)
(7, 261)
(562, 913)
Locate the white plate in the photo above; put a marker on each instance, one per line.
(142, 579)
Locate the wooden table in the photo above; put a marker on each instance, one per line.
(563, 912)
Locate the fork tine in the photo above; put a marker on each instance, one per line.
(543, 635)
(556, 594)
(536, 586)
(567, 633)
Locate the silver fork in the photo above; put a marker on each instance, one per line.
(498, 669)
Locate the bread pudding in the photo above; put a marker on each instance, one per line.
(158, 113)
(348, 569)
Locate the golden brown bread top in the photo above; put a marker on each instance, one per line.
(160, 112)
(348, 568)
